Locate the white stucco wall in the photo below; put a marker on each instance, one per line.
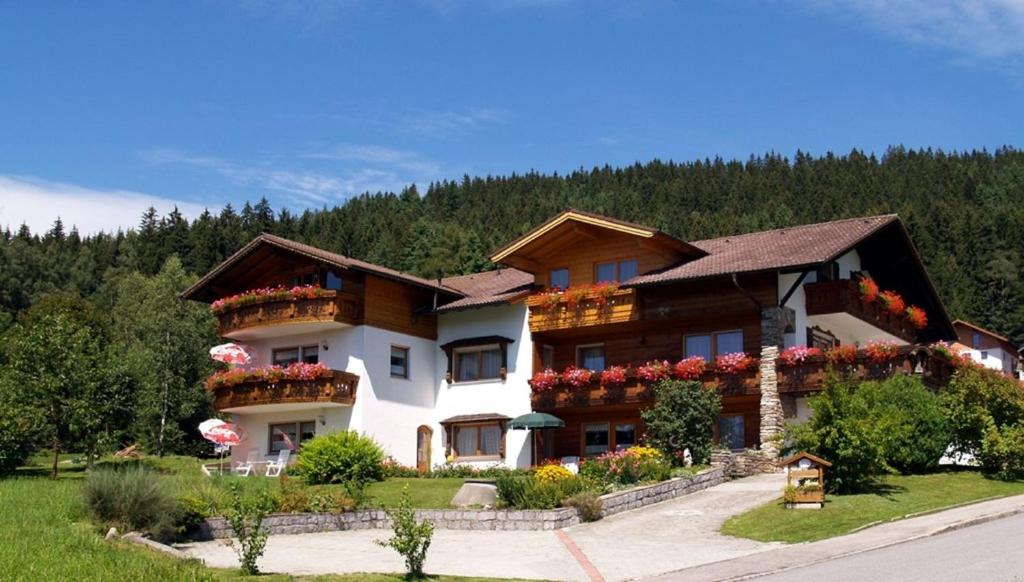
(848, 263)
(994, 358)
(510, 397)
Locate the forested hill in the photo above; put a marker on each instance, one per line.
(965, 211)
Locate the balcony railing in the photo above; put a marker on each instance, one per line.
(635, 390)
(337, 388)
(934, 370)
(574, 308)
(843, 296)
(332, 307)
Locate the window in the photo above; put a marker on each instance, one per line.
(559, 278)
(730, 431)
(590, 357)
(305, 279)
(709, 345)
(332, 281)
(399, 362)
(290, 435)
(289, 356)
(478, 440)
(976, 341)
(547, 356)
(616, 271)
(477, 363)
(601, 437)
(984, 355)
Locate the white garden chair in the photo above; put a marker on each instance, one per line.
(246, 467)
(274, 468)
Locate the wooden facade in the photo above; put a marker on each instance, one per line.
(339, 388)
(332, 308)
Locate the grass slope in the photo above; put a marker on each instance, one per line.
(423, 493)
(895, 497)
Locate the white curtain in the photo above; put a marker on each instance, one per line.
(491, 367)
(465, 441)
(467, 366)
(490, 439)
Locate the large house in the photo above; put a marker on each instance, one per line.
(434, 370)
(988, 348)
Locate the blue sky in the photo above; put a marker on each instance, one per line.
(107, 107)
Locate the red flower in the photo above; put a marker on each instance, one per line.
(654, 370)
(689, 368)
(892, 302)
(613, 376)
(917, 317)
(841, 355)
(868, 289)
(734, 363)
(545, 380)
(881, 351)
(577, 377)
(796, 355)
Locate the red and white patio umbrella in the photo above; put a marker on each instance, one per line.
(222, 433)
(231, 354)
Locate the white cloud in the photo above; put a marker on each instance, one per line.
(437, 123)
(38, 203)
(974, 30)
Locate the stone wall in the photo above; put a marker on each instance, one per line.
(480, 519)
(770, 405)
(744, 463)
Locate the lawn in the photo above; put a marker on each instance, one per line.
(45, 533)
(423, 493)
(894, 498)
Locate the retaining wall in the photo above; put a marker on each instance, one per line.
(477, 519)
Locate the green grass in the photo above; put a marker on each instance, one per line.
(423, 493)
(894, 497)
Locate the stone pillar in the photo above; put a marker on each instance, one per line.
(773, 325)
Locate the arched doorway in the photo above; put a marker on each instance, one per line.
(424, 435)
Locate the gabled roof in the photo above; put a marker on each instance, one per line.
(327, 257)
(1003, 340)
(784, 248)
(487, 288)
(804, 455)
(536, 237)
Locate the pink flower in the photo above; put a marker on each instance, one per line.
(734, 363)
(796, 355)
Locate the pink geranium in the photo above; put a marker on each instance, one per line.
(654, 370)
(545, 380)
(734, 363)
(613, 376)
(689, 368)
(577, 377)
(796, 355)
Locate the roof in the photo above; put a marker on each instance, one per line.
(312, 252)
(487, 288)
(783, 248)
(804, 455)
(484, 417)
(520, 244)
(1007, 344)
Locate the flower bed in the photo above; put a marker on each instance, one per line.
(299, 371)
(267, 294)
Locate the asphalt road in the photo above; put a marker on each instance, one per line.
(992, 551)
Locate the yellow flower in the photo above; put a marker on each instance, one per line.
(552, 473)
(645, 452)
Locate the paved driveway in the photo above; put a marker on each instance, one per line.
(660, 538)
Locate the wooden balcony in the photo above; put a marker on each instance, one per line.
(339, 389)
(591, 309)
(289, 316)
(843, 297)
(809, 376)
(635, 390)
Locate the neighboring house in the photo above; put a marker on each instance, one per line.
(433, 370)
(988, 348)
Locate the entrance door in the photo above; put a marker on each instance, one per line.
(423, 436)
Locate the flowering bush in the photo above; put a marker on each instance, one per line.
(892, 302)
(577, 377)
(633, 465)
(573, 296)
(734, 363)
(613, 376)
(545, 380)
(549, 299)
(552, 473)
(840, 355)
(299, 371)
(603, 292)
(689, 368)
(868, 289)
(796, 355)
(917, 317)
(279, 293)
(881, 351)
(654, 370)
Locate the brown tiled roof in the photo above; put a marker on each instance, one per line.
(312, 252)
(487, 288)
(796, 246)
(486, 416)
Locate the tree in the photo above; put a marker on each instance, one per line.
(683, 417)
(164, 342)
(910, 421)
(58, 367)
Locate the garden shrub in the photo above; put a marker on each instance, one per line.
(132, 498)
(245, 514)
(587, 503)
(345, 457)
(633, 465)
(16, 433)
(977, 398)
(910, 421)
(683, 417)
(392, 468)
(526, 492)
(1002, 452)
(841, 430)
(329, 501)
(552, 473)
(411, 539)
